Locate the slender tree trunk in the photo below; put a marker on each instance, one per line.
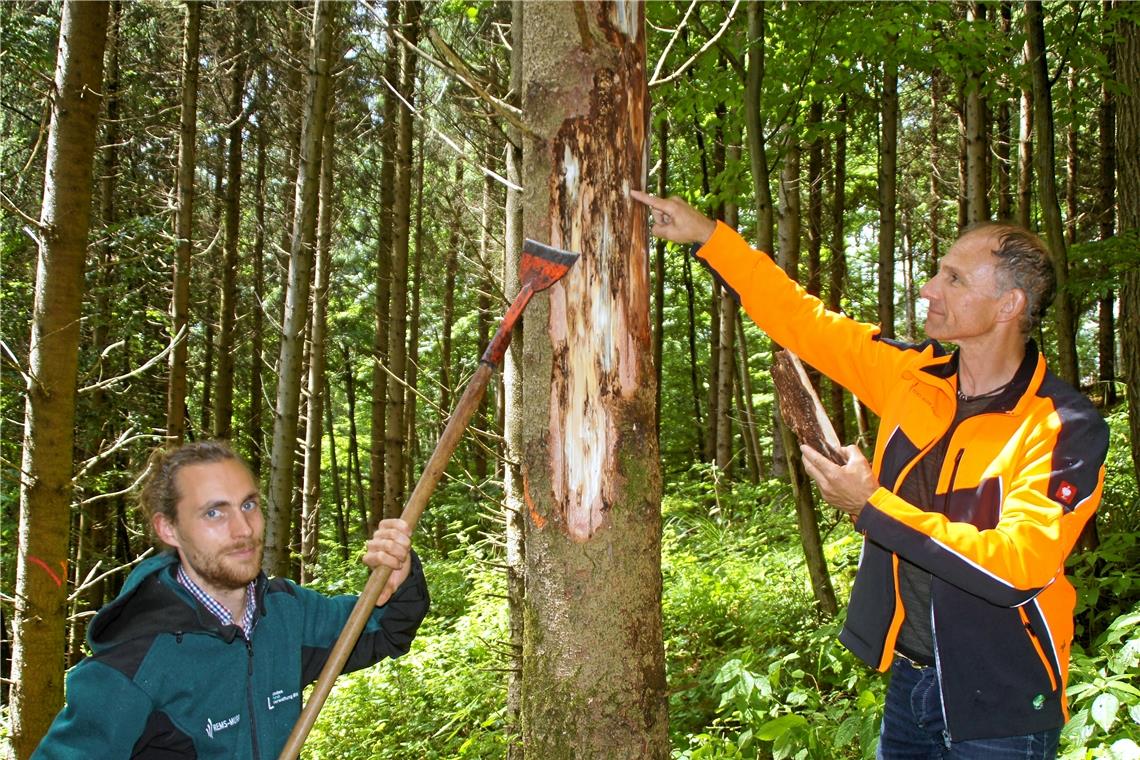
(481, 421)
(354, 465)
(1072, 175)
(224, 398)
(211, 273)
(378, 446)
(936, 94)
(726, 334)
(257, 315)
(805, 502)
(659, 269)
(514, 495)
(752, 439)
(1004, 125)
(815, 200)
(593, 543)
(398, 312)
(977, 206)
(94, 538)
(285, 423)
(49, 414)
(838, 269)
(888, 196)
(451, 270)
(691, 324)
(1025, 157)
(334, 469)
(1128, 178)
(184, 226)
(1047, 184)
(410, 426)
(1106, 202)
(317, 382)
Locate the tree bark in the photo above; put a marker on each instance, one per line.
(451, 270)
(593, 659)
(1128, 179)
(1025, 156)
(410, 397)
(318, 329)
(977, 202)
(355, 469)
(334, 470)
(285, 423)
(752, 439)
(888, 196)
(838, 269)
(1003, 148)
(514, 496)
(49, 414)
(1047, 186)
(227, 310)
(398, 311)
(659, 270)
(184, 226)
(1106, 219)
(257, 315)
(378, 446)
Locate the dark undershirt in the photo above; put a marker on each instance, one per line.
(918, 488)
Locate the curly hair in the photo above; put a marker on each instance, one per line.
(159, 494)
(1025, 263)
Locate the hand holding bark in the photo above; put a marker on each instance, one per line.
(391, 546)
(845, 487)
(675, 220)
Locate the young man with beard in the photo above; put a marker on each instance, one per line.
(986, 469)
(203, 656)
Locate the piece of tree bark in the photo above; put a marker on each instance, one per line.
(49, 414)
(802, 408)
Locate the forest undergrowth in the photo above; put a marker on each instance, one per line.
(753, 670)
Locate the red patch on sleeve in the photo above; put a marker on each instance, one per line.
(1066, 492)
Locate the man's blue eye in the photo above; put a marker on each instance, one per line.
(248, 505)
(212, 513)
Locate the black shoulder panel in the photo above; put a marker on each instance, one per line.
(162, 740)
(1082, 443)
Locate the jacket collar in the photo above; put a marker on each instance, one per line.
(1027, 378)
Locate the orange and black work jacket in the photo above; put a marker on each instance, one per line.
(1018, 483)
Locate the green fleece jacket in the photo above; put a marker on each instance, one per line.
(167, 680)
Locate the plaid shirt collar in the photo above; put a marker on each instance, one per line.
(219, 611)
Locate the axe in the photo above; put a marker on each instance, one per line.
(539, 267)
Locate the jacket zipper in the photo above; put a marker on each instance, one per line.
(249, 699)
(933, 631)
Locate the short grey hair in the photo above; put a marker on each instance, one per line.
(1025, 263)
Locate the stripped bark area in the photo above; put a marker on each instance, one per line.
(599, 320)
(802, 409)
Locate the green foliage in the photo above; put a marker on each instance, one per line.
(1104, 700)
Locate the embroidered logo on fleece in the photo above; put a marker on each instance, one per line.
(221, 725)
(1066, 492)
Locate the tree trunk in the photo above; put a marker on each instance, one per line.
(593, 659)
(1128, 178)
(224, 397)
(514, 495)
(398, 311)
(354, 466)
(94, 538)
(805, 503)
(451, 268)
(752, 439)
(480, 421)
(1004, 125)
(888, 196)
(977, 206)
(691, 324)
(1106, 220)
(49, 414)
(184, 226)
(285, 423)
(378, 446)
(1071, 164)
(257, 315)
(838, 269)
(334, 470)
(815, 199)
(410, 398)
(318, 328)
(659, 270)
(1047, 186)
(1025, 157)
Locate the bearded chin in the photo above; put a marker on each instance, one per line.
(224, 572)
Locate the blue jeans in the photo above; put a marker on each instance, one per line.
(914, 729)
